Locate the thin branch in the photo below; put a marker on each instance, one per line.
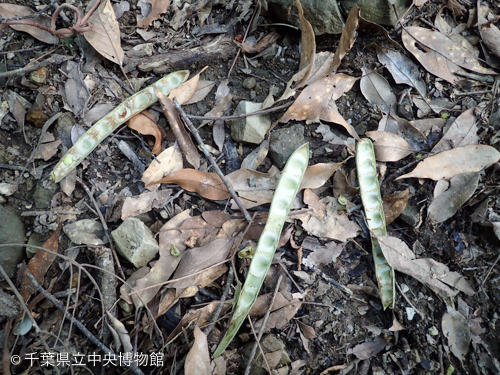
(196, 135)
(234, 117)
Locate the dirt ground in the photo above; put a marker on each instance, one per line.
(340, 325)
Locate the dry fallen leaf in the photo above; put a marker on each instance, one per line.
(490, 34)
(145, 124)
(403, 70)
(443, 56)
(208, 185)
(198, 357)
(347, 39)
(105, 34)
(261, 45)
(170, 160)
(457, 332)
(202, 90)
(145, 202)
(317, 102)
(448, 164)
(402, 127)
(368, 350)
(462, 132)
(12, 11)
(389, 146)
(185, 91)
(449, 202)
(280, 317)
(151, 10)
(435, 275)
(254, 188)
(394, 204)
(316, 175)
(377, 90)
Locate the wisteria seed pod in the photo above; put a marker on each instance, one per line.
(109, 123)
(372, 202)
(283, 197)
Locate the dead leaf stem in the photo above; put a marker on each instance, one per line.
(234, 117)
(196, 136)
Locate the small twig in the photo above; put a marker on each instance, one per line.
(196, 135)
(234, 117)
(78, 324)
(262, 329)
(409, 302)
(489, 271)
(53, 60)
(11, 167)
(215, 316)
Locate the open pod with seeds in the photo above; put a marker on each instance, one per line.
(109, 123)
(369, 187)
(286, 190)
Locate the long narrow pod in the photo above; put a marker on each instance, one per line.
(372, 202)
(109, 123)
(285, 193)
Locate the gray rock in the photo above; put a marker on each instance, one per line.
(85, 232)
(11, 231)
(250, 129)
(284, 142)
(134, 240)
(249, 83)
(326, 18)
(44, 191)
(269, 344)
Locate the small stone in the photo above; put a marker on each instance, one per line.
(39, 76)
(134, 240)
(44, 192)
(249, 83)
(7, 189)
(250, 129)
(284, 142)
(85, 232)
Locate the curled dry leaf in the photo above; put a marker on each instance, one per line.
(449, 202)
(394, 205)
(208, 185)
(462, 132)
(342, 187)
(377, 90)
(182, 136)
(202, 90)
(490, 34)
(145, 202)
(448, 164)
(185, 91)
(389, 146)
(105, 34)
(347, 39)
(397, 125)
(151, 10)
(145, 124)
(260, 46)
(170, 160)
(435, 275)
(456, 330)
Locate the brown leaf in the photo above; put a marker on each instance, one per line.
(198, 357)
(490, 34)
(377, 90)
(254, 188)
(449, 202)
(448, 164)
(168, 161)
(280, 317)
(145, 124)
(202, 90)
(185, 142)
(347, 39)
(342, 187)
(145, 202)
(39, 264)
(368, 350)
(394, 205)
(316, 175)
(443, 57)
(12, 11)
(456, 330)
(105, 34)
(208, 185)
(403, 70)
(151, 10)
(389, 146)
(317, 102)
(45, 151)
(402, 127)
(185, 91)
(462, 132)
(435, 275)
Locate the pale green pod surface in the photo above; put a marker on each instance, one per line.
(372, 202)
(285, 193)
(109, 123)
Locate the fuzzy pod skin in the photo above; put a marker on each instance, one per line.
(109, 123)
(283, 197)
(372, 202)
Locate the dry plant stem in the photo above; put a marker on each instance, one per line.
(234, 117)
(6, 345)
(422, 315)
(262, 329)
(217, 170)
(78, 324)
(489, 271)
